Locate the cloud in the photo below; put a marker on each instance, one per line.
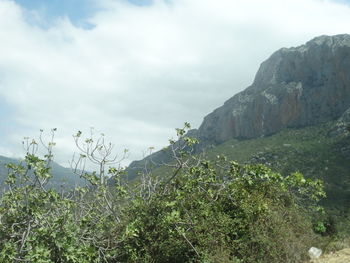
(141, 71)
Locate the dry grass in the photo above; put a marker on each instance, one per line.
(341, 256)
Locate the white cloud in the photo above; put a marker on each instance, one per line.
(142, 71)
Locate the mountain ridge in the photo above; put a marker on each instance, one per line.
(62, 176)
(295, 87)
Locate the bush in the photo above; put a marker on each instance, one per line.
(246, 213)
(207, 211)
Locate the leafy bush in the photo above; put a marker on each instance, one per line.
(243, 212)
(206, 211)
(38, 224)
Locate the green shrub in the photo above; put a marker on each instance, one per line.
(246, 213)
(213, 212)
(38, 224)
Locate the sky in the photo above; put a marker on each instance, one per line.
(137, 69)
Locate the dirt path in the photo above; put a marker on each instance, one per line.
(342, 256)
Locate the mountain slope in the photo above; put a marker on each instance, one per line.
(310, 150)
(61, 176)
(314, 151)
(296, 87)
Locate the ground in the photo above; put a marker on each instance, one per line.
(342, 256)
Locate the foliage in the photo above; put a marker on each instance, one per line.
(205, 211)
(38, 224)
(244, 212)
(309, 150)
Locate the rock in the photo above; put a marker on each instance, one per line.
(295, 87)
(342, 126)
(314, 252)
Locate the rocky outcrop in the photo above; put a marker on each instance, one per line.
(295, 87)
(342, 126)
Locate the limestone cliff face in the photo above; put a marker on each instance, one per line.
(295, 87)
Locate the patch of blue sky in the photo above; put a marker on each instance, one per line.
(141, 2)
(346, 2)
(43, 13)
(77, 11)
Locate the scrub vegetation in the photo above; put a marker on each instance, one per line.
(206, 210)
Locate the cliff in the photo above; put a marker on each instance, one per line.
(295, 87)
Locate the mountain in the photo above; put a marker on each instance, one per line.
(294, 90)
(295, 87)
(61, 176)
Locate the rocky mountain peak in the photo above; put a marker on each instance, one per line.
(282, 65)
(295, 87)
(330, 41)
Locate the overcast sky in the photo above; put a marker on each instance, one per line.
(135, 70)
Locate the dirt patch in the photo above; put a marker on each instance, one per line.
(341, 256)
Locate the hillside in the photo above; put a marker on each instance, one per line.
(61, 176)
(309, 150)
(312, 150)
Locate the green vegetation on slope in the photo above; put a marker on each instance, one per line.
(309, 150)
